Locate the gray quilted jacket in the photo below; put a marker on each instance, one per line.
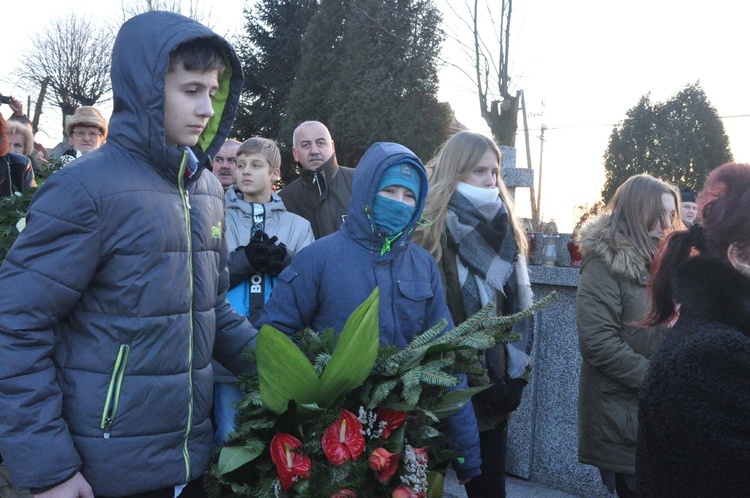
(112, 300)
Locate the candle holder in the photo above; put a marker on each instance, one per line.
(551, 250)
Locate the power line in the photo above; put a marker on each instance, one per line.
(617, 124)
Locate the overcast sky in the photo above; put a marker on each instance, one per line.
(581, 64)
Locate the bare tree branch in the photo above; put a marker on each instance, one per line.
(194, 9)
(71, 59)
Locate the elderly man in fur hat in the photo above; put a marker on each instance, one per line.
(86, 130)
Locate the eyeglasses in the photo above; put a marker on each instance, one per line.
(89, 134)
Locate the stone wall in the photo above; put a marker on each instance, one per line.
(542, 435)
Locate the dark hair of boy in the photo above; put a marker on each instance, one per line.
(198, 55)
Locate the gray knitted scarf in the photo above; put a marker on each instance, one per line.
(488, 262)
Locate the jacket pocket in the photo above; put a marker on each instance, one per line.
(415, 290)
(415, 296)
(114, 389)
(618, 412)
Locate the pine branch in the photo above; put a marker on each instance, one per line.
(428, 335)
(320, 362)
(438, 378)
(381, 393)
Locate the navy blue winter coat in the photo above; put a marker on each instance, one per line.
(328, 279)
(112, 299)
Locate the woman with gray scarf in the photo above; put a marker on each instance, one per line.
(480, 248)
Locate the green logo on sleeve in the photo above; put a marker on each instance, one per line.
(216, 231)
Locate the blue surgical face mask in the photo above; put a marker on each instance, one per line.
(391, 216)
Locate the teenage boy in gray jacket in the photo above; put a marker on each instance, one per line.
(112, 300)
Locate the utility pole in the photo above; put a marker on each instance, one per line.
(541, 155)
(532, 193)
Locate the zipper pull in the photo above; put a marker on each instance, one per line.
(187, 199)
(107, 425)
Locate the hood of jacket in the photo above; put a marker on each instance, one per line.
(139, 66)
(622, 257)
(359, 224)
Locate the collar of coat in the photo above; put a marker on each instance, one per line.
(622, 257)
(328, 169)
(710, 289)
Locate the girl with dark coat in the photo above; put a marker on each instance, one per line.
(480, 249)
(617, 248)
(694, 412)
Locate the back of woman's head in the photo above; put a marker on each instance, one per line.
(724, 203)
(637, 207)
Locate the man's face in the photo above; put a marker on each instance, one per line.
(313, 146)
(188, 99)
(85, 138)
(688, 211)
(225, 164)
(17, 143)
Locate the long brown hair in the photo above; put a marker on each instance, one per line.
(452, 163)
(636, 207)
(723, 203)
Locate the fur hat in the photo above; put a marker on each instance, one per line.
(688, 195)
(86, 116)
(4, 147)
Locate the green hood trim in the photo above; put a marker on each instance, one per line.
(219, 104)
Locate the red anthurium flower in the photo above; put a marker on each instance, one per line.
(393, 420)
(343, 440)
(290, 464)
(384, 463)
(407, 492)
(345, 493)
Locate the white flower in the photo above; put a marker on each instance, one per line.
(415, 466)
(370, 425)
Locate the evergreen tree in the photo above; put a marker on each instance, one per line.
(270, 53)
(376, 78)
(679, 141)
(310, 96)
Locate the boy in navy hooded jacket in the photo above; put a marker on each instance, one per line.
(328, 279)
(112, 300)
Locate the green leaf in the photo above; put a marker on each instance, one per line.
(435, 484)
(355, 353)
(284, 373)
(233, 457)
(452, 401)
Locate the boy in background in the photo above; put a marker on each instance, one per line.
(263, 237)
(113, 298)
